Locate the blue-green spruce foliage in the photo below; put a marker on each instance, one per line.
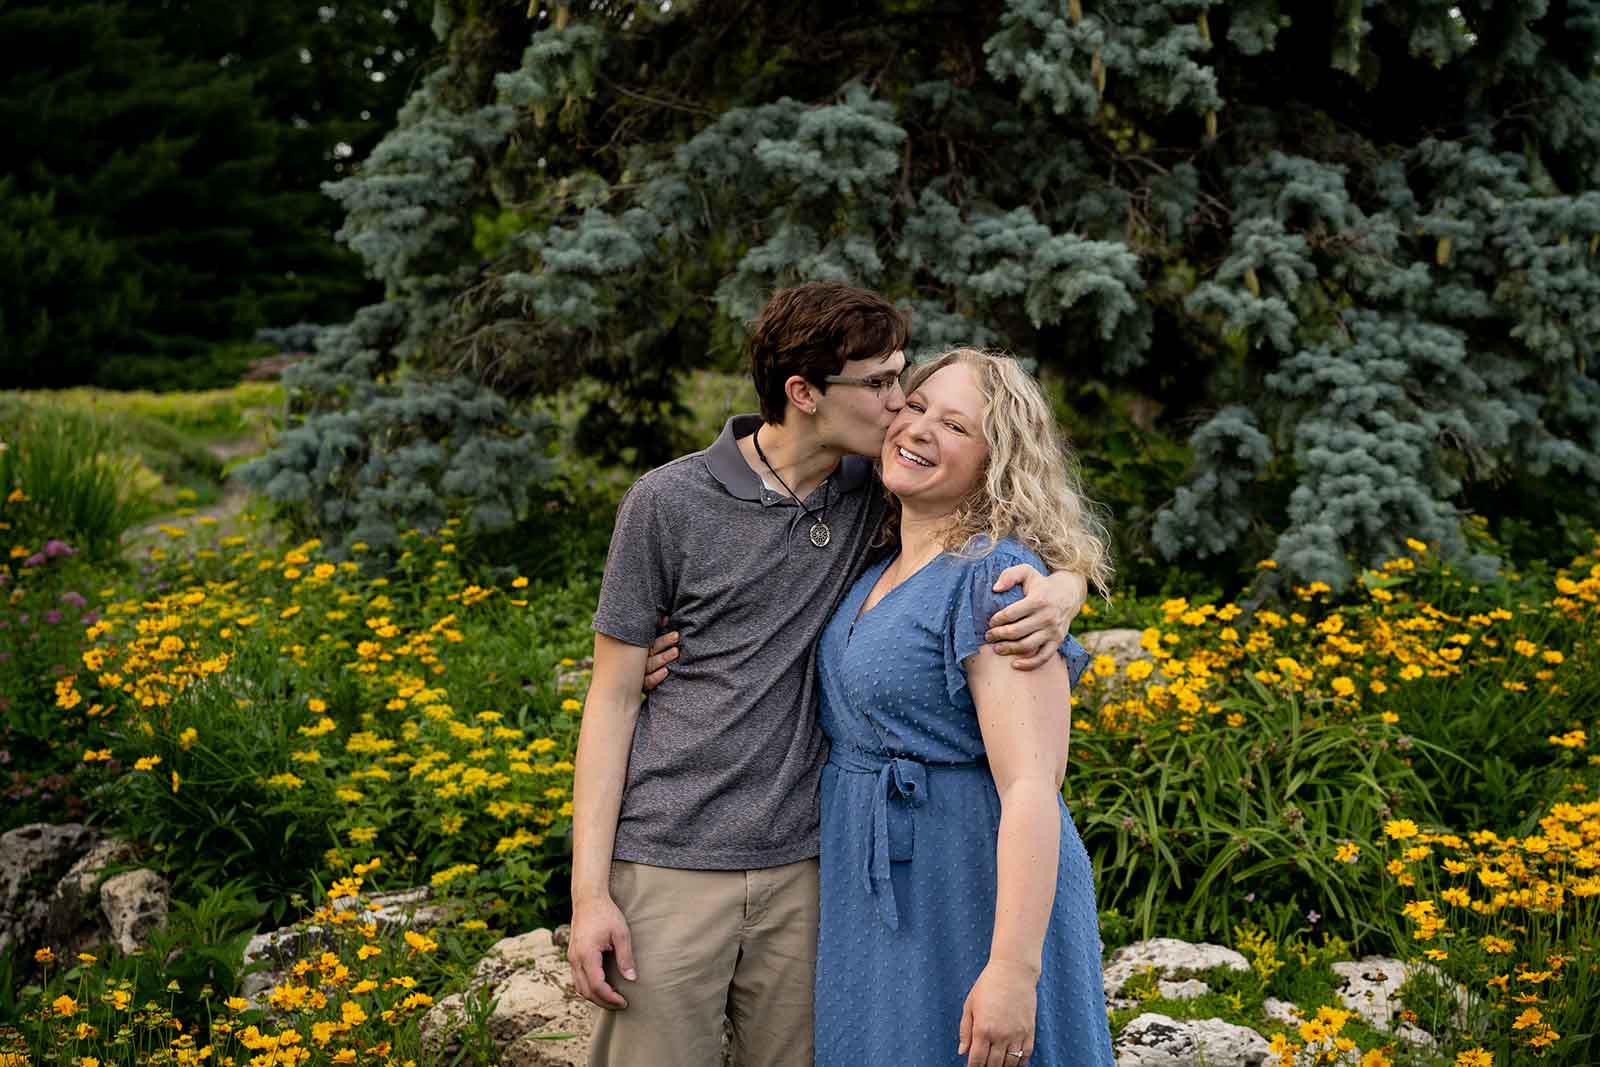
(1346, 249)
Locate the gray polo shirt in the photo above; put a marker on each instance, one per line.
(727, 755)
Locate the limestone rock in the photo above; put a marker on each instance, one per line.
(1120, 644)
(1169, 958)
(72, 905)
(1187, 989)
(538, 1020)
(33, 859)
(133, 903)
(401, 910)
(1370, 987)
(1281, 1011)
(1154, 1040)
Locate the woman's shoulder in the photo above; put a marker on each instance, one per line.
(983, 554)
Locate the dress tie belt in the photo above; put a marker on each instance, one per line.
(904, 778)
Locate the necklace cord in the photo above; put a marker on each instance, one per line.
(820, 520)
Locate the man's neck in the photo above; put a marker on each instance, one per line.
(797, 458)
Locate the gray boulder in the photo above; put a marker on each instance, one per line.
(134, 903)
(1169, 958)
(1370, 987)
(33, 859)
(1154, 1040)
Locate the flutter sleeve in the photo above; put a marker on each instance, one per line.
(974, 602)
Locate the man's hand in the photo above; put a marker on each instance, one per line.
(1031, 629)
(598, 927)
(663, 650)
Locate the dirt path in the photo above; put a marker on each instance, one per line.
(227, 511)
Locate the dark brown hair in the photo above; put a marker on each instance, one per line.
(812, 330)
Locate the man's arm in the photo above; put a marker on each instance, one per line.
(600, 769)
(1030, 630)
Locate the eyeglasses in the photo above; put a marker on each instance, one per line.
(878, 383)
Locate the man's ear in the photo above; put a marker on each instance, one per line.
(802, 395)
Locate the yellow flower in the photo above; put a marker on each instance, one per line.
(44, 955)
(1400, 829)
(1139, 670)
(146, 763)
(571, 705)
(88, 1061)
(1389, 717)
(317, 706)
(65, 1006)
(1474, 1057)
(419, 943)
(1347, 853)
(176, 781)
(1529, 1017)
(286, 780)
(120, 999)
(1343, 686)
(1496, 946)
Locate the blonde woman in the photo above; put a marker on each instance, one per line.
(958, 920)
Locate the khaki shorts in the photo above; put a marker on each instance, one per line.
(709, 944)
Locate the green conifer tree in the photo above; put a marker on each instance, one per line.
(1346, 250)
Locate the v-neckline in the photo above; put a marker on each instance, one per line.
(864, 610)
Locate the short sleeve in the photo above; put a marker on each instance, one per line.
(975, 603)
(637, 589)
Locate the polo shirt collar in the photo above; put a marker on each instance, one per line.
(727, 464)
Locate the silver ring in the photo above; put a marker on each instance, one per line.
(1017, 1052)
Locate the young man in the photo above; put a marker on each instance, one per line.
(695, 827)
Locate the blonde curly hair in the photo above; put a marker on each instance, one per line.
(1030, 489)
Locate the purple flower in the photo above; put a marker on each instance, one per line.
(52, 617)
(1249, 898)
(55, 547)
(91, 618)
(22, 620)
(35, 560)
(1313, 917)
(75, 599)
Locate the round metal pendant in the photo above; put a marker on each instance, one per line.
(821, 535)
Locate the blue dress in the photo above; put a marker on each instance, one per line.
(910, 819)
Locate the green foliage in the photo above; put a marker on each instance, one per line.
(70, 481)
(1268, 743)
(204, 805)
(60, 297)
(218, 367)
(1237, 218)
(159, 190)
(1182, 829)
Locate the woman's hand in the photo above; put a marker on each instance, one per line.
(1033, 627)
(998, 1017)
(663, 650)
